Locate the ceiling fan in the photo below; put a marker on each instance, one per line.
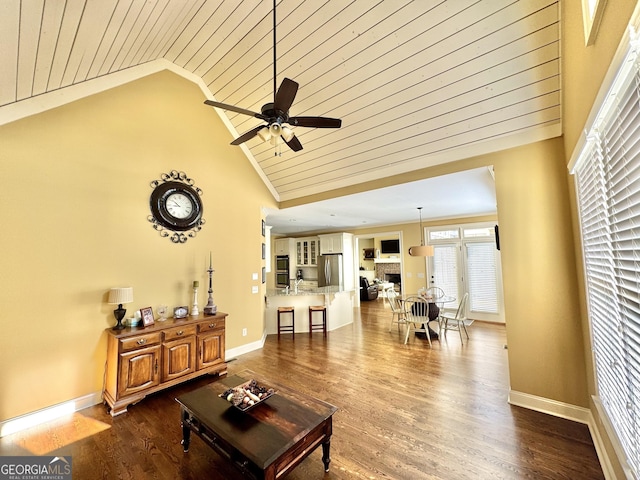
(276, 113)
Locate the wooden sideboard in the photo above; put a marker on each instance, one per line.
(141, 361)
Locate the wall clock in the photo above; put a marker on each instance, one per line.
(176, 207)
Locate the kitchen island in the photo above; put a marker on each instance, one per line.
(339, 302)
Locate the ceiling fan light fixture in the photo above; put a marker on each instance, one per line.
(275, 140)
(275, 129)
(264, 134)
(287, 133)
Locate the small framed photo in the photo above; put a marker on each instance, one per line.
(264, 274)
(264, 251)
(263, 232)
(180, 312)
(147, 316)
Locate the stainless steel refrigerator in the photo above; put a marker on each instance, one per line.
(330, 270)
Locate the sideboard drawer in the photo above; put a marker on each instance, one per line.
(211, 325)
(139, 341)
(179, 332)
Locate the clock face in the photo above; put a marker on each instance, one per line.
(179, 205)
(176, 206)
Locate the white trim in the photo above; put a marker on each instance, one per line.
(246, 348)
(41, 103)
(569, 412)
(22, 422)
(551, 407)
(602, 98)
(591, 20)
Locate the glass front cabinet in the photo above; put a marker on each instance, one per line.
(307, 250)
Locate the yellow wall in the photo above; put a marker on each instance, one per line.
(584, 69)
(75, 195)
(544, 333)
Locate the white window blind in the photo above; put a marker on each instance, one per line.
(445, 274)
(608, 186)
(481, 277)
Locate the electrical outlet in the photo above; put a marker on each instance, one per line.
(244, 332)
(254, 289)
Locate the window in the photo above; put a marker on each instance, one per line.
(466, 260)
(608, 188)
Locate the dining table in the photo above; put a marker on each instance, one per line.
(438, 302)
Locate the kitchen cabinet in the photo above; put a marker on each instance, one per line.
(283, 246)
(307, 251)
(331, 243)
(141, 361)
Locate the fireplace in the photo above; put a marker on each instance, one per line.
(395, 279)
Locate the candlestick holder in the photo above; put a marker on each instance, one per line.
(210, 308)
(194, 308)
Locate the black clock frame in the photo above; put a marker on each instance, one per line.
(158, 204)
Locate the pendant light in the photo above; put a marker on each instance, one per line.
(423, 250)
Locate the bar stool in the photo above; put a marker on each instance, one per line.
(318, 326)
(287, 328)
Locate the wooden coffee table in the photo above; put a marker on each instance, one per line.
(265, 442)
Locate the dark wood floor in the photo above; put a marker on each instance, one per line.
(405, 412)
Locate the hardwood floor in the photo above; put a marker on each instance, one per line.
(405, 412)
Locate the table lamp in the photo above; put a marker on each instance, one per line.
(118, 296)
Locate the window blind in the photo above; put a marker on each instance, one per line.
(608, 189)
(481, 277)
(445, 274)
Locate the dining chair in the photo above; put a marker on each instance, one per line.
(416, 312)
(396, 307)
(455, 321)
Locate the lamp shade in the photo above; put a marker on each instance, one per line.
(421, 251)
(118, 296)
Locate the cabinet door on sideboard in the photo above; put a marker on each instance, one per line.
(139, 370)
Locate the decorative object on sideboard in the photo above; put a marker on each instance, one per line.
(162, 311)
(147, 316)
(423, 250)
(176, 207)
(181, 312)
(210, 308)
(119, 296)
(194, 308)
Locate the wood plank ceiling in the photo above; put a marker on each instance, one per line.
(416, 83)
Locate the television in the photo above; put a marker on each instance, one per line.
(390, 246)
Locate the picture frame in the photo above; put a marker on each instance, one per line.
(264, 251)
(181, 312)
(264, 275)
(263, 229)
(147, 316)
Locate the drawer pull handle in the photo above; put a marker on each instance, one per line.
(142, 341)
(180, 332)
(212, 325)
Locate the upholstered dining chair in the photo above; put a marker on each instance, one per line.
(416, 311)
(455, 321)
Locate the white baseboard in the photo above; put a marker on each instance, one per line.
(16, 424)
(246, 348)
(569, 412)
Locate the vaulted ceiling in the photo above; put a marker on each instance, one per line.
(416, 83)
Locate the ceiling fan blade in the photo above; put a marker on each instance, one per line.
(317, 122)
(294, 143)
(233, 108)
(247, 135)
(285, 95)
